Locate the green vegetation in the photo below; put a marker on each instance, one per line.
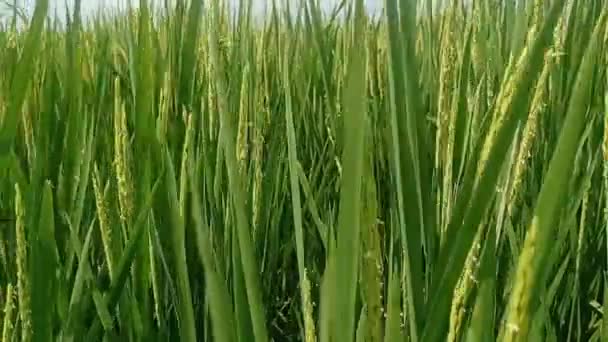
(188, 174)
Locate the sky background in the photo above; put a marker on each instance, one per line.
(89, 6)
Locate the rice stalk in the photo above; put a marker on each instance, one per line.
(353, 159)
(605, 181)
(220, 306)
(176, 202)
(222, 116)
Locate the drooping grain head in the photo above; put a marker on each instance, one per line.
(530, 130)
(154, 276)
(104, 220)
(309, 323)
(518, 321)
(477, 55)
(3, 252)
(462, 293)
(372, 272)
(447, 76)
(2, 110)
(28, 133)
(187, 159)
(513, 76)
(121, 159)
(537, 14)
(23, 284)
(7, 326)
(539, 102)
(242, 138)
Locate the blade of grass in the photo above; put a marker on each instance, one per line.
(186, 313)
(348, 236)
(45, 262)
(222, 317)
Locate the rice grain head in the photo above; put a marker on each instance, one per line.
(463, 291)
(3, 253)
(7, 326)
(23, 285)
(186, 160)
(530, 129)
(28, 134)
(537, 15)
(309, 323)
(528, 271)
(258, 160)
(104, 221)
(605, 147)
(538, 105)
(242, 139)
(154, 277)
(513, 75)
(446, 110)
(121, 160)
(372, 274)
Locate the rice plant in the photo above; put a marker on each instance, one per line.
(198, 171)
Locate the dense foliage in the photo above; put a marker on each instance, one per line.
(184, 173)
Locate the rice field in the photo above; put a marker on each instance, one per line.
(436, 172)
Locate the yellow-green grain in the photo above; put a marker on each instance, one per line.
(446, 111)
(104, 220)
(309, 323)
(463, 290)
(28, 135)
(529, 133)
(3, 253)
(121, 160)
(154, 278)
(372, 274)
(23, 284)
(242, 138)
(7, 326)
(186, 159)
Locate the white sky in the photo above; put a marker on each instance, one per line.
(89, 6)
